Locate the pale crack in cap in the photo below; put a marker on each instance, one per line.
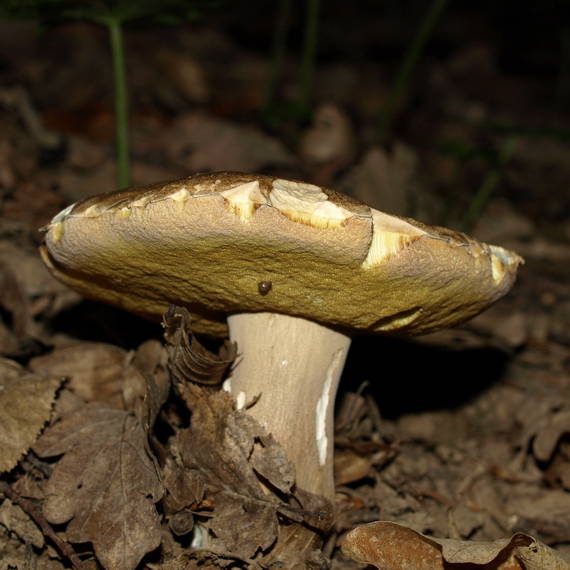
(231, 243)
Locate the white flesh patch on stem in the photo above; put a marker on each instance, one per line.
(240, 401)
(322, 408)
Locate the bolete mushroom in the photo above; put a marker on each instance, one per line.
(293, 269)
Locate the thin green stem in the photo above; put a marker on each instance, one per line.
(490, 182)
(279, 48)
(309, 52)
(121, 101)
(411, 59)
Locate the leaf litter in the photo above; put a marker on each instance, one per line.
(239, 469)
(484, 467)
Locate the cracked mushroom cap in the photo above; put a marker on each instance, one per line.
(227, 243)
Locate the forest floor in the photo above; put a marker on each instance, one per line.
(462, 434)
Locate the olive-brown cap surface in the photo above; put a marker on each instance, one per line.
(227, 243)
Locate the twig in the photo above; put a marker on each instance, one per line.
(34, 512)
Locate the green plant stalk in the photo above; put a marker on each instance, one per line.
(483, 195)
(114, 26)
(309, 53)
(279, 48)
(407, 67)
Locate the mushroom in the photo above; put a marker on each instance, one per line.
(292, 269)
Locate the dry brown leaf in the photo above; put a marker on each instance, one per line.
(220, 444)
(385, 179)
(150, 360)
(329, 145)
(206, 560)
(26, 400)
(200, 142)
(41, 292)
(14, 519)
(269, 460)
(185, 487)
(539, 510)
(390, 546)
(350, 466)
(15, 555)
(13, 299)
(106, 484)
(243, 526)
(235, 465)
(552, 428)
(96, 370)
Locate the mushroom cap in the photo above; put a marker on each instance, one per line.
(227, 243)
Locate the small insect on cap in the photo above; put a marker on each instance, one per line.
(232, 243)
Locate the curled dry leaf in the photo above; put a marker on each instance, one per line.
(390, 546)
(188, 359)
(26, 400)
(106, 484)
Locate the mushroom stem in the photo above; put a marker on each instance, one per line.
(294, 366)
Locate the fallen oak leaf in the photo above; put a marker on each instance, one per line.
(106, 484)
(26, 401)
(391, 546)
